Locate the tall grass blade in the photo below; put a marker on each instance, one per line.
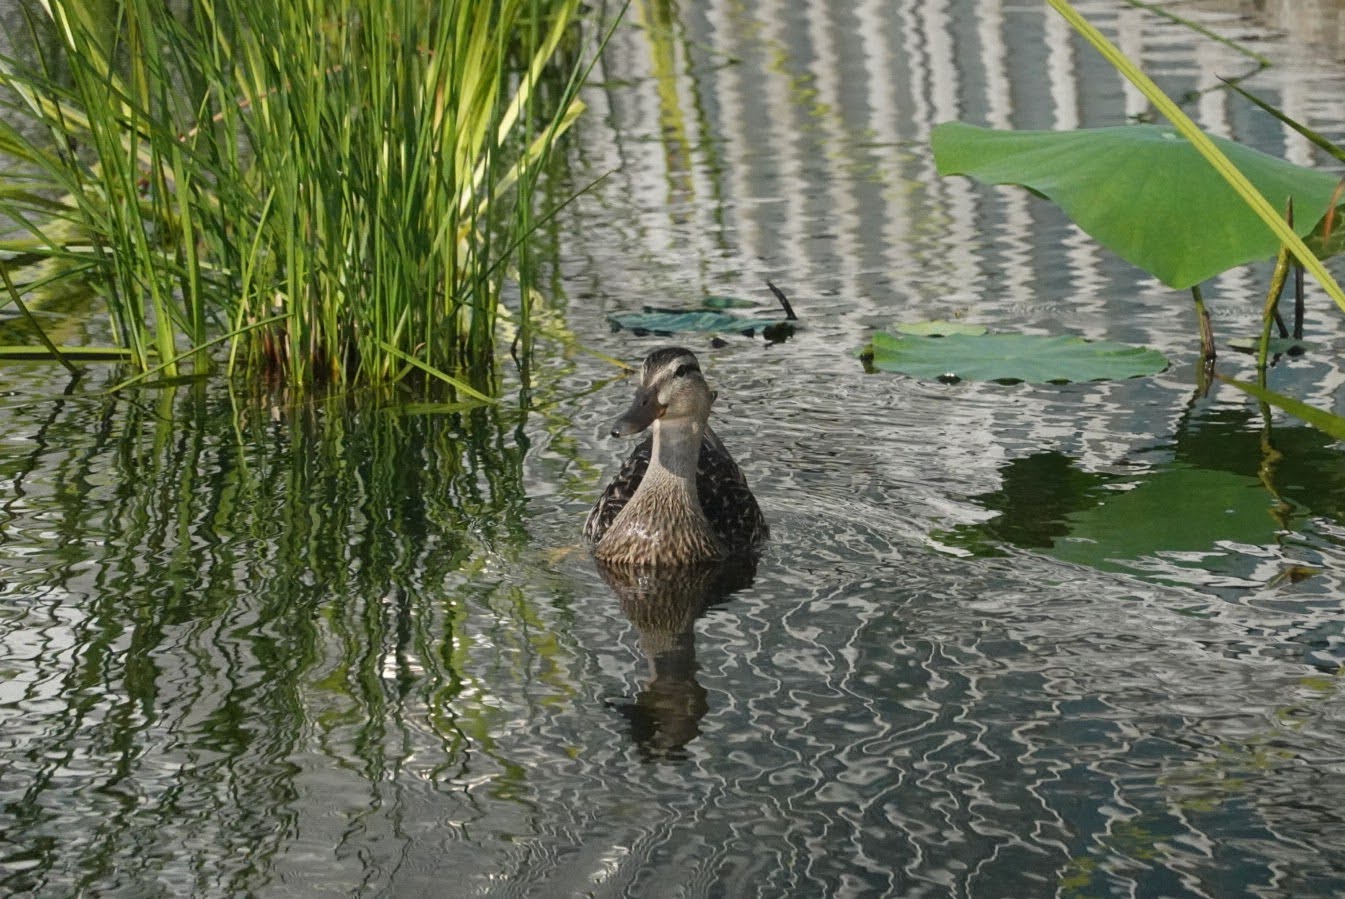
(1320, 419)
(1317, 140)
(28, 316)
(455, 383)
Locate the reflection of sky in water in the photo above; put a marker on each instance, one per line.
(361, 651)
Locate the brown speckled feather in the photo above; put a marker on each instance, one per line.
(619, 492)
(724, 496)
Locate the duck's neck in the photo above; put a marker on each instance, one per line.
(664, 523)
(677, 448)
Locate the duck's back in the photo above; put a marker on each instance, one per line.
(726, 499)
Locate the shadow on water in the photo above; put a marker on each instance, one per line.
(664, 607)
(199, 596)
(1225, 478)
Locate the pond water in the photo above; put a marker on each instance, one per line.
(1019, 640)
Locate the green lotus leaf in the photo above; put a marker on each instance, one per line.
(1011, 357)
(939, 328)
(1144, 192)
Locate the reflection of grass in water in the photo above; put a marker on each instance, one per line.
(1226, 782)
(357, 174)
(331, 584)
(1078, 877)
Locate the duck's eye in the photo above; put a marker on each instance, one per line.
(683, 369)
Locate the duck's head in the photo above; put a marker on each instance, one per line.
(672, 389)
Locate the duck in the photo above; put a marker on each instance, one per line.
(679, 499)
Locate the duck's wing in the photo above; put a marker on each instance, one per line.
(725, 497)
(620, 490)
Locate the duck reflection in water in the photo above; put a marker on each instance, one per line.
(664, 605)
(676, 531)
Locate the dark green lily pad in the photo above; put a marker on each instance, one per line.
(1143, 191)
(1177, 510)
(718, 302)
(939, 328)
(675, 321)
(1011, 357)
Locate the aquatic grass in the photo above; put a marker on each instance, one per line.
(339, 188)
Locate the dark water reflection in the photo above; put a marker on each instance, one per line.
(663, 606)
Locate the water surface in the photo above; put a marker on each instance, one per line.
(1006, 640)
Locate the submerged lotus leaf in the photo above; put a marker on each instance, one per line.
(1181, 513)
(1012, 357)
(1143, 191)
(1173, 513)
(1280, 345)
(722, 302)
(674, 321)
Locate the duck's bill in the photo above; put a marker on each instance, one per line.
(641, 414)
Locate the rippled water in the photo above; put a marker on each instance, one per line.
(1006, 640)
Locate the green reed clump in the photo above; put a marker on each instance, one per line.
(335, 188)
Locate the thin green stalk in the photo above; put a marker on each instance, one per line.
(1327, 422)
(1261, 61)
(1269, 312)
(1203, 322)
(1277, 280)
(28, 316)
(82, 353)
